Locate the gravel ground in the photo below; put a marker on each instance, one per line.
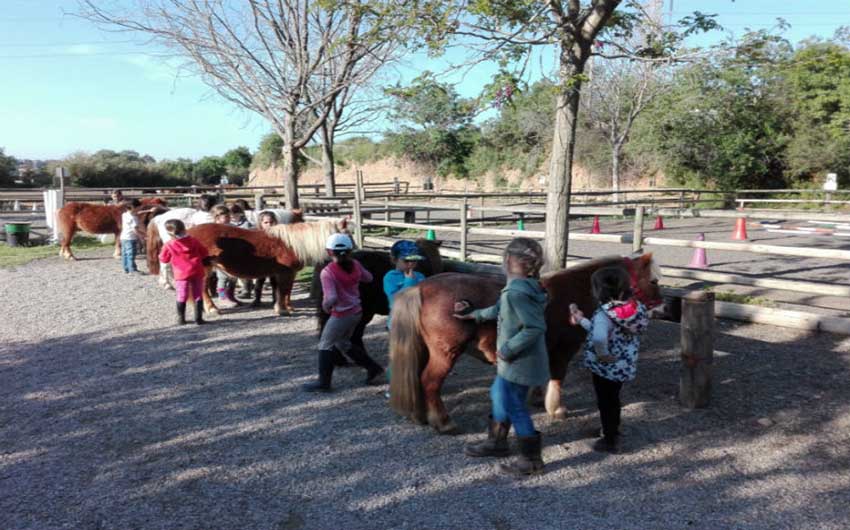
(112, 418)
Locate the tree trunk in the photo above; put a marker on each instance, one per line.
(616, 156)
(290, 168)
(561, 163)
(328, 161)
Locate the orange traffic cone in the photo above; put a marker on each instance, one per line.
(740, 229)
(659, 223)
(595, 229)
(699, 259)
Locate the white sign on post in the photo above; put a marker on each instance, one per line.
(831, 183)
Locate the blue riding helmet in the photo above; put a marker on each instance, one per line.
(406, 250)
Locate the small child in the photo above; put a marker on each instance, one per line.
(341, 286)
(405, 256)
(611, 348)
(204, 213)
(131, 232)
(221, 216)
(522, 360)
(238, 218)
(265, 221)
(186, 255)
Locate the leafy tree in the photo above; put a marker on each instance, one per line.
(8, 165)
(238, 163)
(209, 170)
(509, 30)
(818, 77)
(435, 125)
(725, 122)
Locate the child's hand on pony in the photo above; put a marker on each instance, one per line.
(576, 315)
(463, 310)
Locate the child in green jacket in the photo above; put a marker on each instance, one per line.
(522, 359)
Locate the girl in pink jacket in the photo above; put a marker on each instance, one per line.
(341, 285)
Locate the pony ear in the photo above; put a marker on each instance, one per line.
(646, 258)
(297, 211)
(438, 242)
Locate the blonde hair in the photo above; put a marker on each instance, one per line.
(528, 253)
(307, 240)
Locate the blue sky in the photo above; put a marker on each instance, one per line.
(68, 86)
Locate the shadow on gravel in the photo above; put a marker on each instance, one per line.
(187, 427)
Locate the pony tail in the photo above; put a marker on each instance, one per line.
(153, 244)
(408, 356)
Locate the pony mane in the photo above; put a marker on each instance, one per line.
(307, 240)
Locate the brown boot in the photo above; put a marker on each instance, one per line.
(496, 443)
(529, 461)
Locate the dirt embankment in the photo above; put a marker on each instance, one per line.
(385, 170)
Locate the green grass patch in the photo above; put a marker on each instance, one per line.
(17, 256)
(304, 275)
(738, 298)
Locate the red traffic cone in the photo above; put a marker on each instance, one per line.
(699, 259)
(595, 229)
(740, 229)
(659, 223)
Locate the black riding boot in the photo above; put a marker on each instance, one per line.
(361, 358)
(326, 370)
(529, 461)
(496, 443)
(199, 312)
(181, 313)
(340, 360)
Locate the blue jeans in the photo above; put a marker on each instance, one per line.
(128, 255)
(509, 404)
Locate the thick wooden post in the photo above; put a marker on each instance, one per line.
(637, 236)
(358, 218)
(396, 186)
(258, 201)
(463, 232)
(697, 349)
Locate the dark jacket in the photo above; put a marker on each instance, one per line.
(521, 337)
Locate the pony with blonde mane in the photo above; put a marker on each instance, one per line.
(277, 253)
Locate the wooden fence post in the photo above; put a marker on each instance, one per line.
(387, 214)
(358, 218)
(637, 237)
(481, 213)
(258, 201)
(463, 232)
(697, 349)
(396, 186)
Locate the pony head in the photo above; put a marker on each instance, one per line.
(645, 276)
(433, 261)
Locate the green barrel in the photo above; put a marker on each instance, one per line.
(17, 234)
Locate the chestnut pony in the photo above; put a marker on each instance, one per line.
(279, 252)
(426, 340)
(99, 219)
(373, 300)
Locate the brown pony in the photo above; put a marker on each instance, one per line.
(426, 340)
(99, 219)
(248, 254)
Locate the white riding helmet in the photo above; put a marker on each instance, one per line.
(339, 242)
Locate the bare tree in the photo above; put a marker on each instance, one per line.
(620, 89)
(287, 60)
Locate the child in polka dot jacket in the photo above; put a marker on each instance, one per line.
(612, 345)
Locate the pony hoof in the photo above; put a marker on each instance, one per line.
(447, 428)
(559, 414)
